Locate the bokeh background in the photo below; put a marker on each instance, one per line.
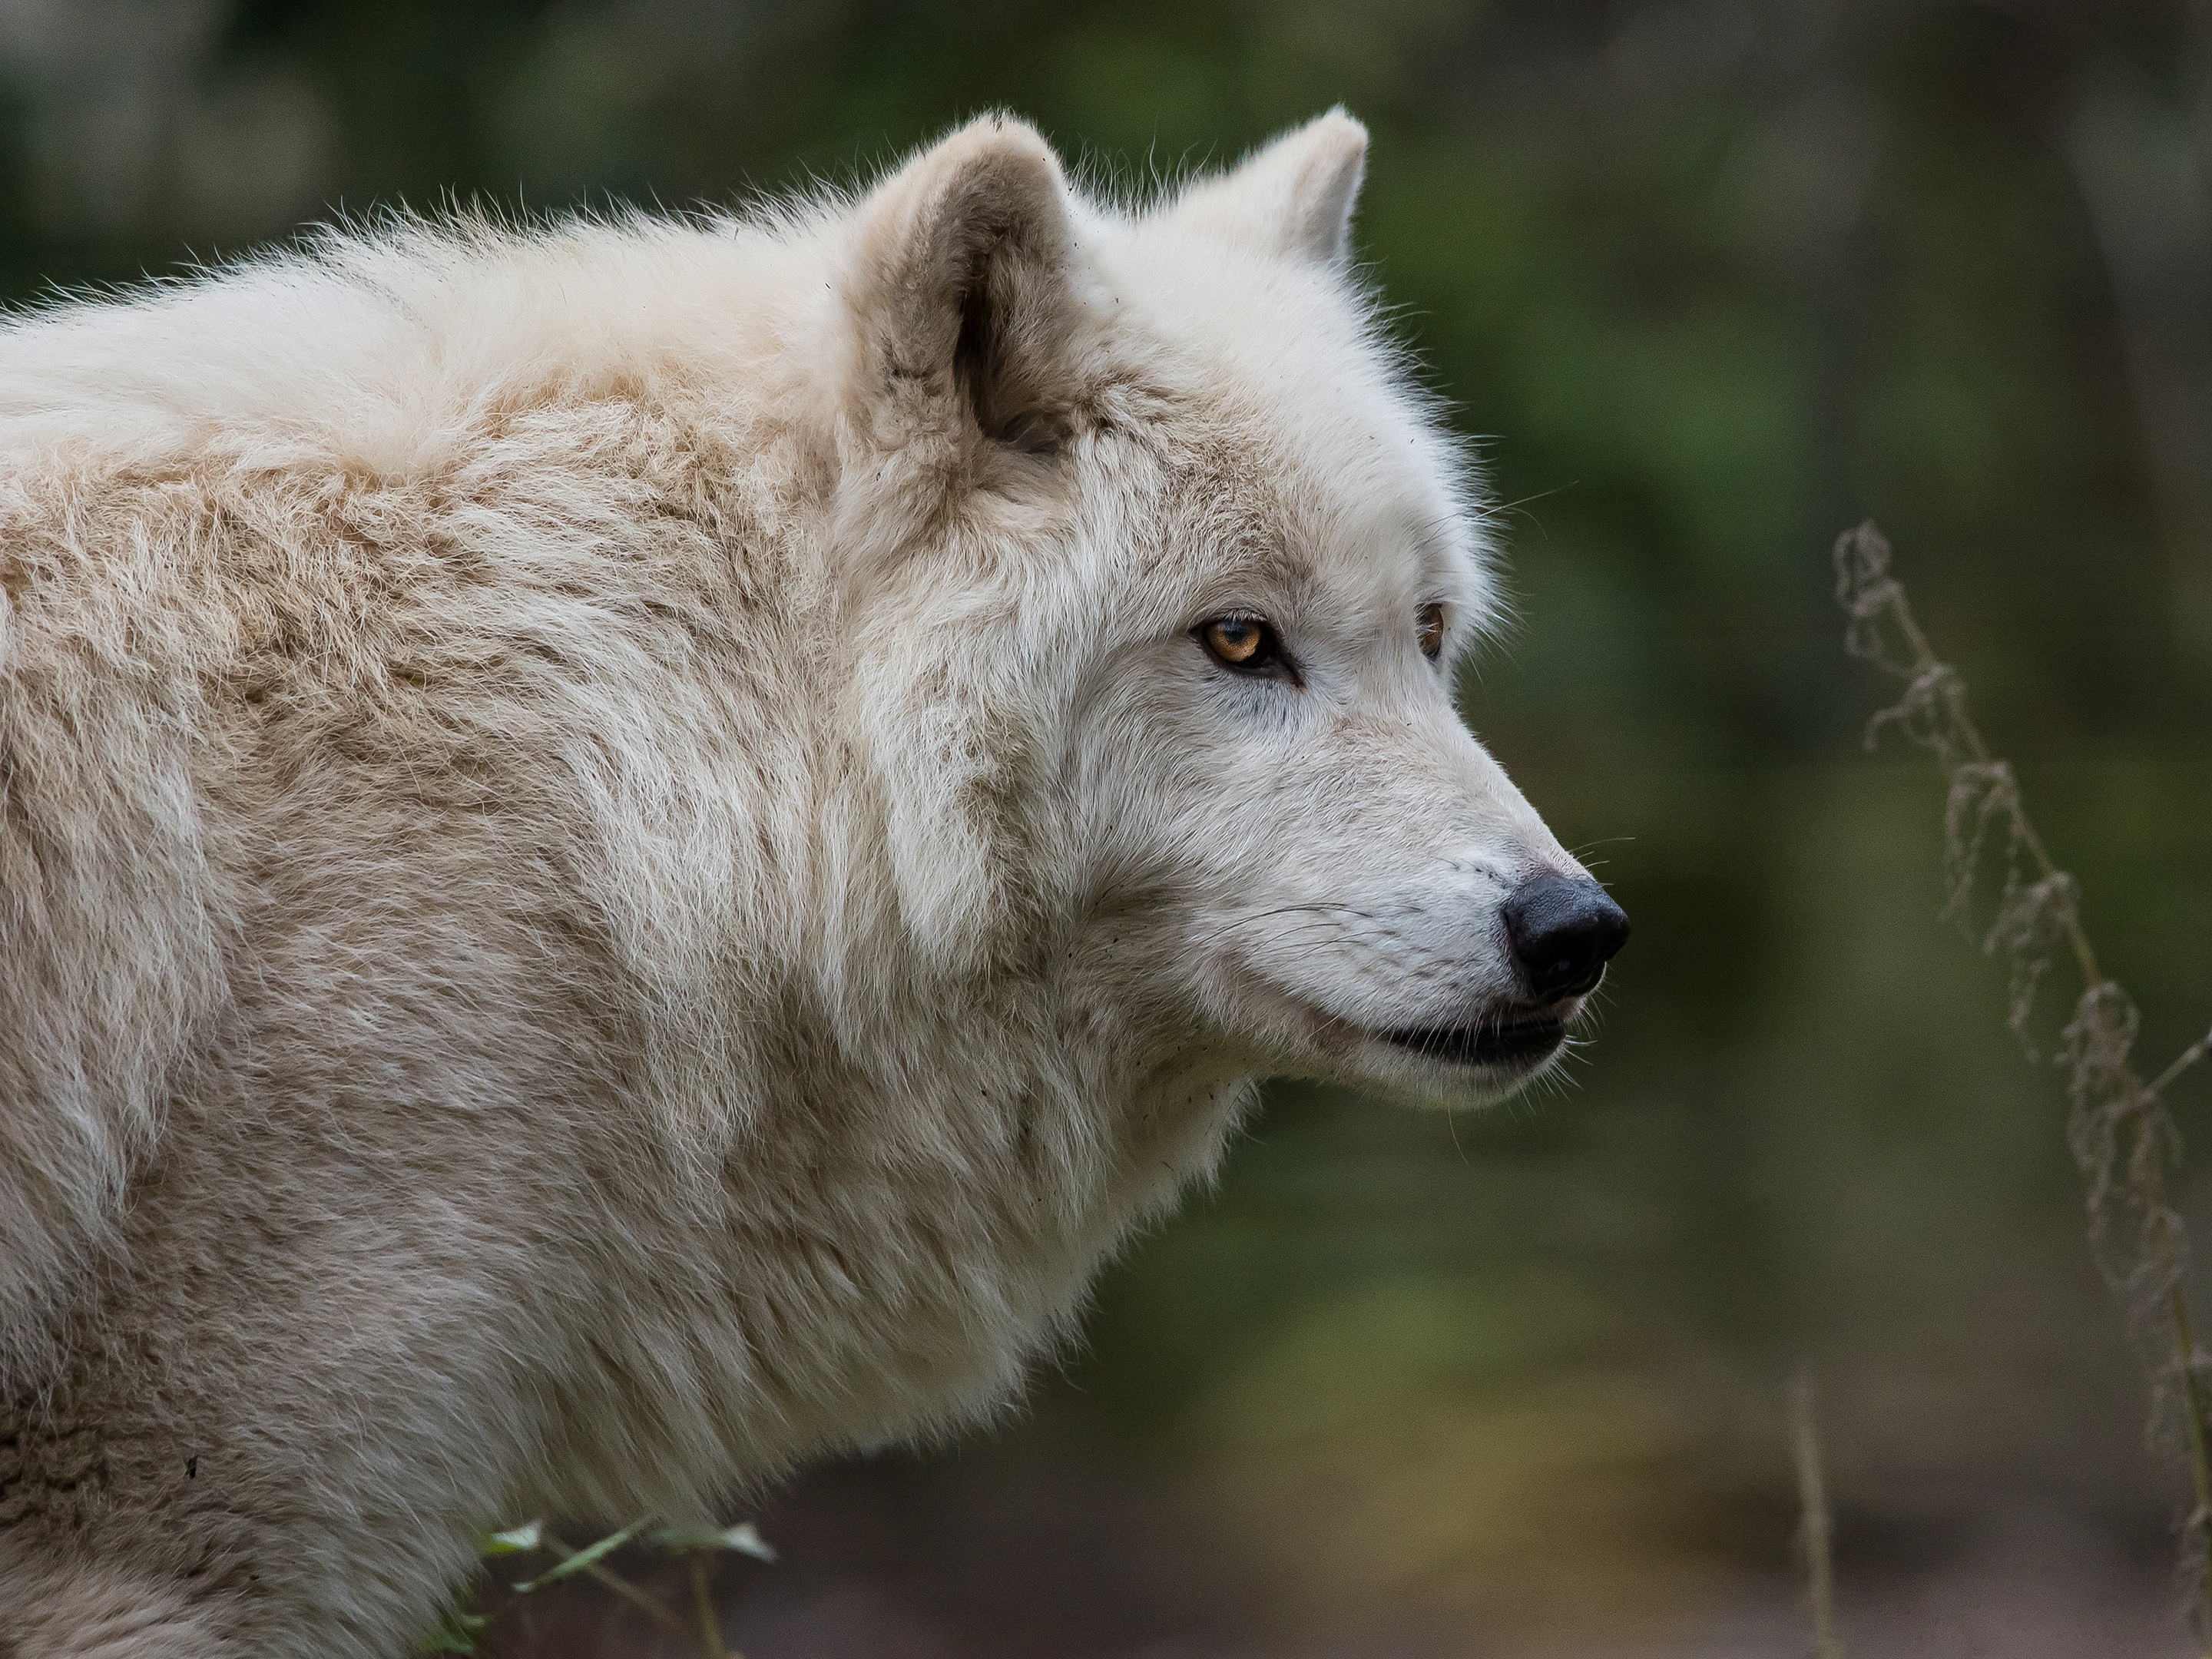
(1710, 280)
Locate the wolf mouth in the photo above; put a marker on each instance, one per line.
(1505, 1042)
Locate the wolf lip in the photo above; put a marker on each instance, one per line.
(1510, 1042)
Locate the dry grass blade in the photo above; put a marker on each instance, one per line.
(1814, 1524)
(702, 1599)
(2117, 1126)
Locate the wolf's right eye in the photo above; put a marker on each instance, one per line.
(1246, 644)
(1431, 622)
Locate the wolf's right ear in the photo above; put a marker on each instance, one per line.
(1294, 195)
(959, 283)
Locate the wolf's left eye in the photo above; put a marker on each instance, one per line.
(1431, 631)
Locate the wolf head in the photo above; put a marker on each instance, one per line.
(1160, 570)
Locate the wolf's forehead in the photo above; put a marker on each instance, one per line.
(1343, 487)
(1368, 485)
(1297, 438)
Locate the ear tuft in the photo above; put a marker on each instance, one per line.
(1293, 196)
(959, 276)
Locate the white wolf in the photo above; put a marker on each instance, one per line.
(626, 850)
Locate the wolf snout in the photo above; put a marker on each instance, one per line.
(1564, 929)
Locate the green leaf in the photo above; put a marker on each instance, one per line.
(744, 1538)
(519, 1541)
(588, 1556)
(457, 1633)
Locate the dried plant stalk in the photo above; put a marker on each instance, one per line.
(1812, 1511)
(2117, 1126)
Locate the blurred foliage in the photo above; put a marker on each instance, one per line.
(1709, 280)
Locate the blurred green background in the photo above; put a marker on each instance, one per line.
(1711, 280)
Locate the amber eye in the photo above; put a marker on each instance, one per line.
(1431, 631)
(1246, 644)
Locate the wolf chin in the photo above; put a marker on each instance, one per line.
(627, 847)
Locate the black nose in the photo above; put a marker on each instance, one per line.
(1564, 930)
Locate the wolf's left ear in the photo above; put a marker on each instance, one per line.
(1294, 195)
(958, 279)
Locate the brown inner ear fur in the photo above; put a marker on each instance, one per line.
(1008, 406)
(970, 251)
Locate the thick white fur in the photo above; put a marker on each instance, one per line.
(618, 865)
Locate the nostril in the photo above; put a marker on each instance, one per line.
(1564, 929)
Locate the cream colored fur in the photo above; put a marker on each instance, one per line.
(618, 865)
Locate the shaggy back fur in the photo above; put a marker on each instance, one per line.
(622, 860)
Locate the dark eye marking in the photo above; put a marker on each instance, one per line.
(1245, 644)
